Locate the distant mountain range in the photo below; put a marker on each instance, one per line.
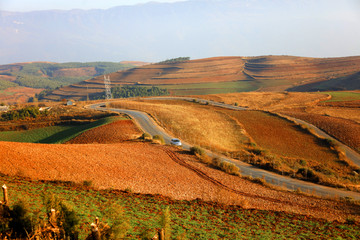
(196, 28)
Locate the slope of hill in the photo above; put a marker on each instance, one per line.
(265, 73)
(52, 75)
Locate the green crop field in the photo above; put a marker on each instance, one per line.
(53, 134)
(209, 88)
(343, 96)
(189, 219)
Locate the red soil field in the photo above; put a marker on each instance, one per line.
(115, 132)
(150, 169)
(346, 131)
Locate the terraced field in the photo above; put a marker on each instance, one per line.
(267, 73)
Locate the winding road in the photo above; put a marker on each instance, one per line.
(147, 124)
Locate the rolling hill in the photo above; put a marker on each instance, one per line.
(263, 73)
(52, 75)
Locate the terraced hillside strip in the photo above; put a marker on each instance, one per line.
(269, 101)
(147, 168)
(116, 132)
(265, 73)
(194, 219)
(346, 131)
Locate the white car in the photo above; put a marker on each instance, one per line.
(175, 142)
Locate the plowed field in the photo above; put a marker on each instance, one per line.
(149, 168)
(115, 132)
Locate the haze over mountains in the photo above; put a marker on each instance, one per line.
(196, 28)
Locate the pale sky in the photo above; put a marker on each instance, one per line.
(34, 5)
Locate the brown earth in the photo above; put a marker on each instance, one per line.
(115, 132)
(155, 169)
(346, 131)
(269, 73)
(17, 95)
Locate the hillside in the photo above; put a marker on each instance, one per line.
(40, 75)
(265, 73)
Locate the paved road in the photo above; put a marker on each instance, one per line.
(147, 124)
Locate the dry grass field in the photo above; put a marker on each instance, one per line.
(193, 123)
(256, 137)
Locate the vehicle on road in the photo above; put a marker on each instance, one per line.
(175, 142)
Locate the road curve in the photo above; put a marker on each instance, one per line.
(147, 124)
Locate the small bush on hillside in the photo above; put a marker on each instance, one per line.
(159, 138)
(303, 162)
(66, 216)
(197, 151)
(258, 151)
(118, 222)
(229, 168)
(87, 183)
(20, 223)
(216, 162)
(165, 222)
(145, 136)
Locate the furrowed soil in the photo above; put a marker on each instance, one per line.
(151, 169)
(115, 132)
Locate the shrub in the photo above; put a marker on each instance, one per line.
(216, 162)
(145, 136)
(229, 168)
(87, 183)
(21, 223)
(197, 151)
(118, 222)
(159, 138)
(66, 216)
(165, 222)
(303, 162)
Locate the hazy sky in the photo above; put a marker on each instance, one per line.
(195, 28)
(31, 5)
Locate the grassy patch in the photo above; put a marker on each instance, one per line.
(343, 96)
(54, 134)
(190, 219)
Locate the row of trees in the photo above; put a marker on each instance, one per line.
(175, 60)
(24, 113)
(133, 91)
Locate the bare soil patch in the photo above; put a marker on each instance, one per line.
(147, 168)
(115, 132)
(18, 94)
